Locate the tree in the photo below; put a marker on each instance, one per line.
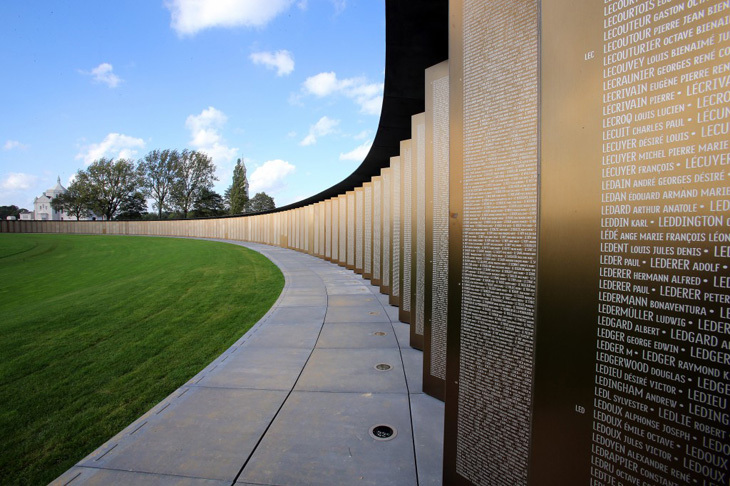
(11, 210)
(109, 184)
(74, 202)
(209, 203)
(261, 202)
(237, 194)
(195, 173)
(160, 169)
(134, 207)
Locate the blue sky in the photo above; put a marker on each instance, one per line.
(294, 87)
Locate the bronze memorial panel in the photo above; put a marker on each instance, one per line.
(367, 231)
(493, 63)
(377, 229)
(313, 229)
(406, 230)
(350, 225)
(328, 230)
(342, 225)
(437, 229)
(335, 237)
(359, 229)
(387, 247)
(418, 218)
(320, 229)
(633, 360)
(395, 227)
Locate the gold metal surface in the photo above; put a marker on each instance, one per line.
(328, 230)
(359, 225)
(494, 102)
(418, 228)
(377, 230)
(456, 110)
(433, 384)
(349, 225)
(395, 231)
(634, 212)
(406, 232)
(335, 230)
(367, 231)
(386, 267)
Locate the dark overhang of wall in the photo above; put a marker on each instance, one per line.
(416, 37)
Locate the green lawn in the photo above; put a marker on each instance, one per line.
(95, 330)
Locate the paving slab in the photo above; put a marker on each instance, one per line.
(298, 315)
(305, 299)
(288, 292)
(286, 336)
(203, 436)
(104, 477)
(347, 290)
(413, 363)
(402, 332)
(382, 298)
(336, 447)
(357, 335)
(265, 368)
(392, 312)
(351, 300)
(366, 313)
(308, 284)
(428, 432)
(353, 370)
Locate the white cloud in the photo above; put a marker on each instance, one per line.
(324, 126)
(205, 136)
(358, 153)
(308, 140)
(114, 145)
(270, 176)
(191, 16)
(282, 61)
(103, 73)
(18, 181)
(13, 144)
(362, 135)
(371, 106)
(323, 84)
(368, 95)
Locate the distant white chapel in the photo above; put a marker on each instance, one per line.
(42, 209)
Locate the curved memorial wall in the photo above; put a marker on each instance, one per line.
(553, 220)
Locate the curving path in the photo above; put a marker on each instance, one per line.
(292, 401)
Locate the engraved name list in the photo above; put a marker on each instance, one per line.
(660, 406)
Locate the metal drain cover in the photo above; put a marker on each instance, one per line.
(383, 367)
(374, 313)
(379, 333)
(383, 432)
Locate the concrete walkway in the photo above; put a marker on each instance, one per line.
(293, 401)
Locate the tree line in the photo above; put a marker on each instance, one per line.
(11, 210)
(179, 183)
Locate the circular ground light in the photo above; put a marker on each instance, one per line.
(383, 432)
(383, 367)
(379, 333)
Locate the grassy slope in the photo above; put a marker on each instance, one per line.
(95, 330)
